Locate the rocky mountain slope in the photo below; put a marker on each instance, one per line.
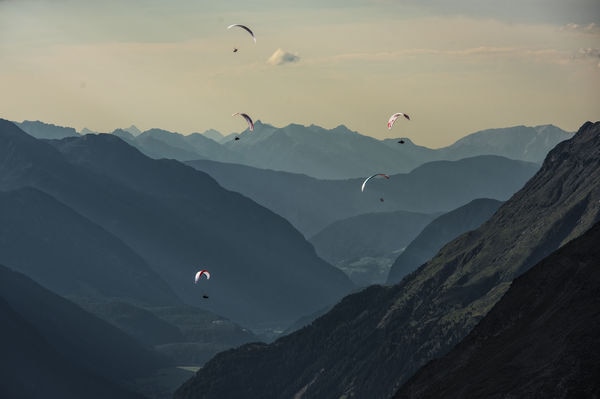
(439, 232)
(371, 342)
(542, 339)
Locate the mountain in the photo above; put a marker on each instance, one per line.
(340, 153)
(31, 368)
(371, 342)
(337, 153)
(73, 256)
(440, 231)
(364, 246)
(517, 142)
(178, 220)
(158, 143)
(184, 334)
(47, 335)
(213, 135)
(43, 130)
(133, 130)
(434, 187)
(542, 339)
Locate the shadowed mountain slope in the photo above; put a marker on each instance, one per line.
(440, 231)
(179, 220)
(31, 368)
(73, 256)
(365, 246)
(82, 340)
(372, 234)
(371, 342)
(541, 340)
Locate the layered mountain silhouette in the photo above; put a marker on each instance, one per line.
(53, 348)
(371, 342)
(542, 339)
(311, 204)
(440, 231)
(337, 153)
(176, 219)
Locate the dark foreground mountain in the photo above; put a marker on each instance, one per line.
(48, 341)
(371, 342)
(311, 204)
(440, 231)
(177, 220)
(31, 368)
(541, 340)
(365, 246)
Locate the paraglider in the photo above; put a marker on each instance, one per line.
(370, 177)
(200, 274)
(248, 120)
(394, 117)
(246, 29)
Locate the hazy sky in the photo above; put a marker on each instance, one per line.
(454, 66)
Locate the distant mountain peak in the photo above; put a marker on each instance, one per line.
(133, 130)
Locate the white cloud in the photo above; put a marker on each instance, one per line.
(281, 57)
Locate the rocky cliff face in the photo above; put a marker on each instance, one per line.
(542, 339)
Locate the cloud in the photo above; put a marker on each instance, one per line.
(591, 28)
(281, 57)
(589, 54)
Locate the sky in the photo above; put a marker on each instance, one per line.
(454, 67)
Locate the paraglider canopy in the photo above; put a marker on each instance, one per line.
(247, 118)
(370, 177)
(244, 27)
(200, 274)
(394, 117)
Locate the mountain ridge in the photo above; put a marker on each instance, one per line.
(337, 153)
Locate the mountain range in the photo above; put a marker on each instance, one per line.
(337, 153)
(372, 341)
(161, 221)
(311, 205)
